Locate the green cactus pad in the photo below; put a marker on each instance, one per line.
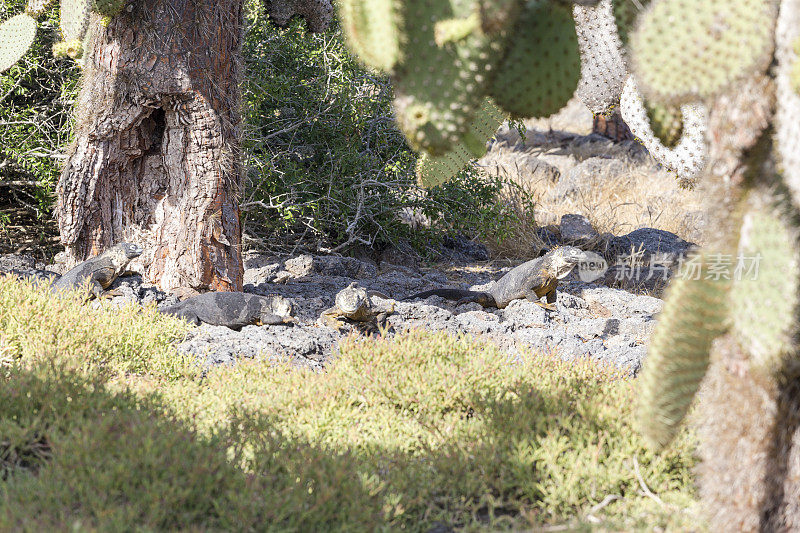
(371, 31)
(74, 48)
(16, 37)
(787, 77)
(764, 297)
(666, 123)
(36, 8)
(625, 15)
(495, 15)
(795, 73)
(689, 50)
(542, 67)
(694, 314)
(108, 8)
(74, 18)
(454, 30)
(432, 171)
(60, 49)
(439, 88)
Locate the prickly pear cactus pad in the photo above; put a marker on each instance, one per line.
(371, 31)
(764, 299)
(108, 8)
(16, 37)
(541, 70)
(688, 157)
(432, 171)
(787, 125)
(439, 88)
(694, 314)
(625, 15)
(666, 123)
(685, 50)
(36, 7)
(603, 68)
(74, 18)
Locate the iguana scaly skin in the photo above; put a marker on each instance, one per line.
(532, 280)
(232, 309)
(98, 273)
(354, 303)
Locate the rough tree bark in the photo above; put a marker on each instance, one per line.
(154, 159)
(611, 126)
(155, 156)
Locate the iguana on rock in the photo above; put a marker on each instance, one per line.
(354, 303)
(98, 273)
(233, 309)
(532, 280)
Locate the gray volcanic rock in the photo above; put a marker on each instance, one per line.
(577, 230)
(652, 243)
(213, 345)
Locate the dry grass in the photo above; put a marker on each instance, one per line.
(642, 195)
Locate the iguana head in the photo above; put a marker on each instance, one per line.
(127, 250)
(564, 259)
(351, 299)
(122, 254)
(278, 305)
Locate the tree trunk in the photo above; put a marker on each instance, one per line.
(155, 157)
(611, 126)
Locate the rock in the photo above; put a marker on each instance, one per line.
(591, 321)
(461, 249)
(264, 274)
(10, 262)
(329, 265)
(645, 258)
(587, 175)
(524, 314)
(307, 346)
(132, 289)
(578, 231)
(549, 237)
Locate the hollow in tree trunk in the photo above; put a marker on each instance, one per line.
(612, 126)
(155, 155)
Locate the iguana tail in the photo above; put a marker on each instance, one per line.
(462, 295)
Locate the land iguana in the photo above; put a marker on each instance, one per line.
(98, 273)
(532, 280)
(233, 309)
(355, 304)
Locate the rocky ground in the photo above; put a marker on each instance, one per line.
(598, 320)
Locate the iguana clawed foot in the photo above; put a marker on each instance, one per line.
(548, 306)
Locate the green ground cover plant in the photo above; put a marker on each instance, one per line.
(113, 430)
